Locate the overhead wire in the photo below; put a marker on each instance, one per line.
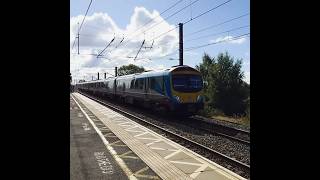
(160, 35)
(207, 11)
(81, 25)
(84, 16)
(224, 3)
(216, 25)
(217, 42)
(74, 42)
(162, 21)
(173, 15)
(158, 15)
(209, 35)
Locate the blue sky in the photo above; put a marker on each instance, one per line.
(121, 11)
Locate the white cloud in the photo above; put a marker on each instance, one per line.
(98, 30)
(226, 38)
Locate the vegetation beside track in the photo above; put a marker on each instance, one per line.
(227, 95)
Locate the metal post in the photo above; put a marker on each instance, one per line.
(116, 71)
(105, 75)
(180, 44)
(78, 43)
(98, 75)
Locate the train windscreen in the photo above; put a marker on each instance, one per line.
(187, 82)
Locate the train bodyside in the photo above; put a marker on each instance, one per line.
(146, 88)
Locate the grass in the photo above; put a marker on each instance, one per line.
(237, 120)
(217, 114)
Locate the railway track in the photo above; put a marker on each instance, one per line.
(228, 128)
(236, 165)
(198, 122)
(235, 134)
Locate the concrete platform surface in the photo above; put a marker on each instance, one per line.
(166, 158)
(97, 154)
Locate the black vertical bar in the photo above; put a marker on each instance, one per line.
(105, 75)
(116, 71)
(98, 75)
(180, 44)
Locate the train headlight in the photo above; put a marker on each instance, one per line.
(200, 98)
(177, 98)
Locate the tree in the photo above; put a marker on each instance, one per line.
(130, 69)
(225, 89)
(206, 68)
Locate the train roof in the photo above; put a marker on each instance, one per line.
(145, 74)
(95, 81)
(165, 71)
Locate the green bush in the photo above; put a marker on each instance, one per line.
(225, 91)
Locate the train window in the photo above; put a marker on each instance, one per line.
(159, 84)
(106, 85)
(132, 84)
(145, 83)
(136, 84)
(152, 83)
(187, 83)
(142, 84)
(118, 84)
(139, 83)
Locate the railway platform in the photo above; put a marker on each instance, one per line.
(108, 145)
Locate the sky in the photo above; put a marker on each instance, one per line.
(127, 20)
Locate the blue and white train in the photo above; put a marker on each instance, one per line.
(177, 89)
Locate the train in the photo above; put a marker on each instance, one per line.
(177, 89)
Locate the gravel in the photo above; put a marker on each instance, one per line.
(224, 123)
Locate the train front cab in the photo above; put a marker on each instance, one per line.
(186, 90)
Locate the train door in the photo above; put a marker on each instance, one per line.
(148, 88)
(146, 100)
(145, 89)
(114, 88)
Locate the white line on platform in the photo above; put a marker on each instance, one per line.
(172, 154)
(199, 170)
(110, 148)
